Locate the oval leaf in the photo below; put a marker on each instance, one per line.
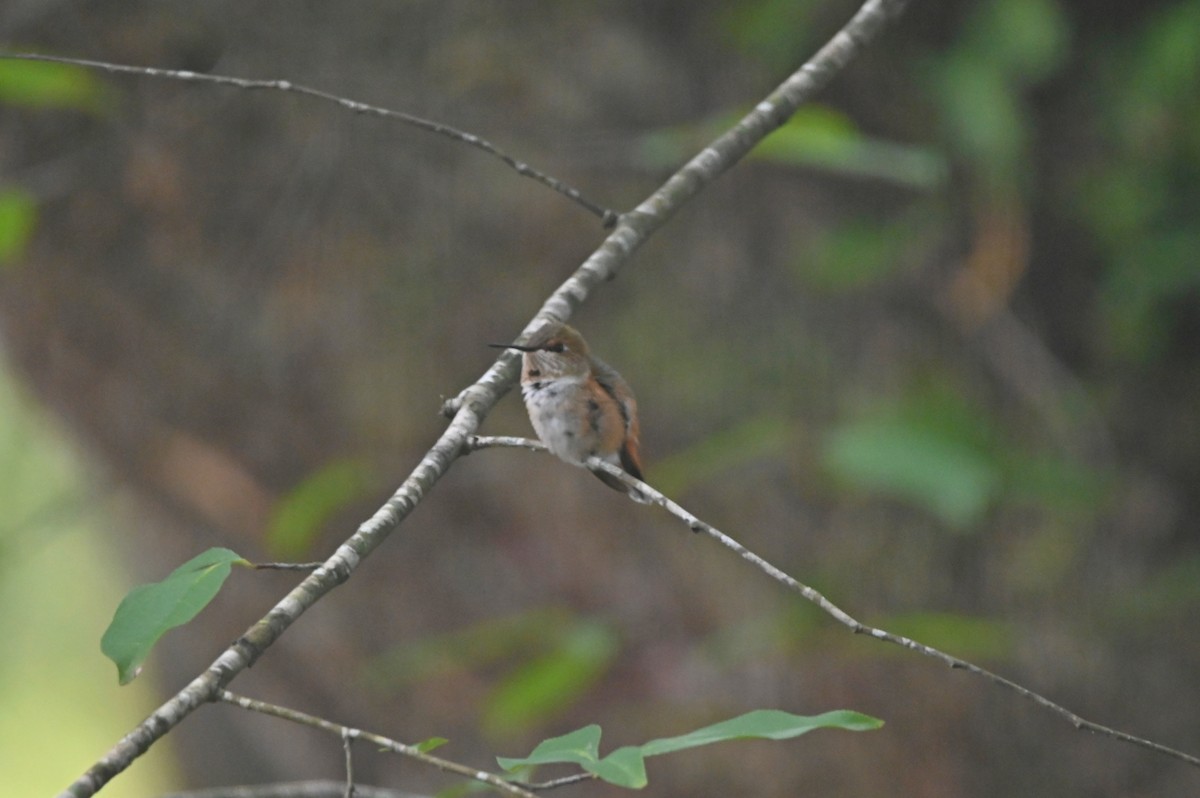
(769, 724)
(625, 767)
(432, 744)
(580, 747)
(149, 611)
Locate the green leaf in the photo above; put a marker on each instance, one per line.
(149, 611)
(768, 724)
(18, 214)
(580, 747)
(40, 84)
(431, 744)
(301, 514)
(626, 766)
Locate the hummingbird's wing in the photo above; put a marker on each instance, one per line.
(616, 387)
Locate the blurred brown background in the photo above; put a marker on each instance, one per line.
(932, 350)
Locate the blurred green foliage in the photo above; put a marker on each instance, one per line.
(822, 137)
(750, 440)
(816, 136)
(300, 515)
(1139, 200)
(18, 215)
(773, 31)
(931, 448)
(546, 685)
(923, 464)
(59, 580)
(549, 657)
(857, 254)
(1005, 47)
(973, 638)
(40, 84)
(935, 449)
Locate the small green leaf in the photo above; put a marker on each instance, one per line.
(580, 747)
(625, 767)
(431, 744)
(299, 515)
(18, 214)
(769, 724)
(149, 611)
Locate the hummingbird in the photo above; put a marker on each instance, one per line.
(579, 405)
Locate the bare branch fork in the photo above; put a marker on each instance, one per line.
(608, 217)
(471, 406)
(828, 607)
(348, 735)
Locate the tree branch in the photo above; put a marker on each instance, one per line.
(294, 789)
(348, 734)
(608, 217)
(471, 406)
(834, 611)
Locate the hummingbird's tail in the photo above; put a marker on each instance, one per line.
(616, 484)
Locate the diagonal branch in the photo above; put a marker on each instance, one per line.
(520, 167)
(348, 734)
(814, 596)
(295, 789)
(472, 405)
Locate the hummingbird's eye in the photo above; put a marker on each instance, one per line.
(555, 346)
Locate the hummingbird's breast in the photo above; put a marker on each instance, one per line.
(574, 417)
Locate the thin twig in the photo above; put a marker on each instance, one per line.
(347, 734)
(347, 742)
(486, 441)
(837, 613)
(564, 781)
(294, 789)
(471, 406)
(608, 217)
(287, 566)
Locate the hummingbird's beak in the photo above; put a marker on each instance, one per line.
(514, 346)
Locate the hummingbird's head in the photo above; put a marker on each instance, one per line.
(555, 350)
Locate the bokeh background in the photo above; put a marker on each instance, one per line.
(932, 349)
